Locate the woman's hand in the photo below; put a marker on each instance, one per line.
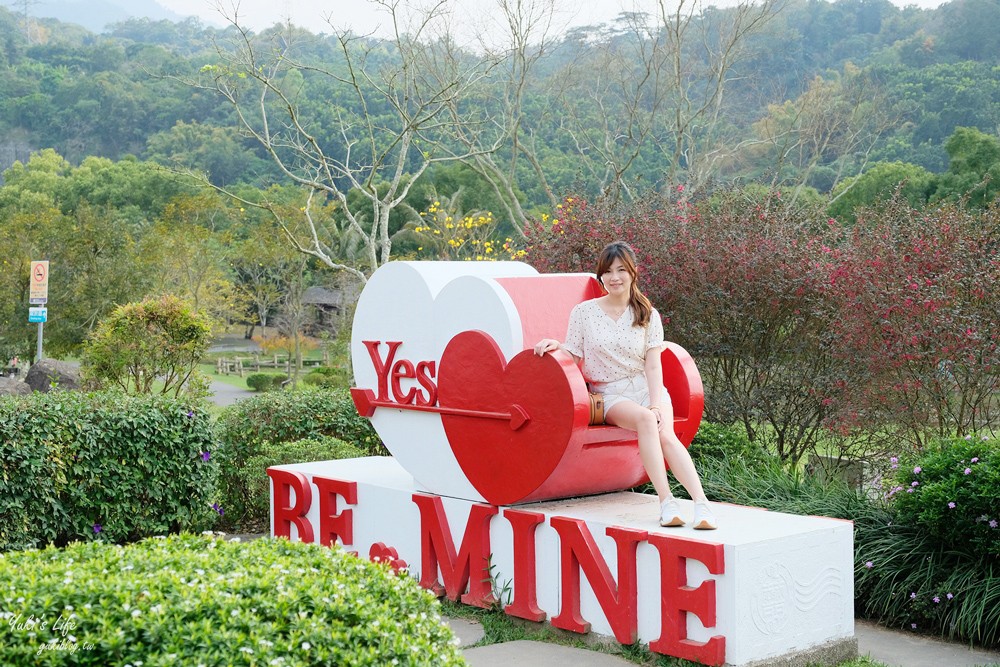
(659, 417)
(546, 345)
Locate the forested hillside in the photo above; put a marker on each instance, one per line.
(295, 154)
(812, 92)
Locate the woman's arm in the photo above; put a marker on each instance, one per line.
(654, 380)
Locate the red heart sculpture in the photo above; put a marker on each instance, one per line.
(513, 421)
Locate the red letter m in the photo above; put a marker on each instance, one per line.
(469, 567)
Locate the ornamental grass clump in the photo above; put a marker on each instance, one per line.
(934, 566)
(189, 600)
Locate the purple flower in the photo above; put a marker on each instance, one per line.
(936, 599)
(975, 459)
(206, 455)
(951, 505)
(968, 437)
(893, 459)
(993, 523)
(913, 596)
(869, 565)
(968, 471)
(98, 528)
(909, 490)
(914, 484)
(190, 413)
(916, 471)
(949, 596)
(985, 438)
(913, 626)
(218, 508)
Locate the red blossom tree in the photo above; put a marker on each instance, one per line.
(805, 330)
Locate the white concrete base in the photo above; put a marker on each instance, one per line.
(784, 583)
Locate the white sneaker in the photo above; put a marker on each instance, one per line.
(703, 517)
(670, 513)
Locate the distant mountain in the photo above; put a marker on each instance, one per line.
(95, 15)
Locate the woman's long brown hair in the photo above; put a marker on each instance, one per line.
(642, 307)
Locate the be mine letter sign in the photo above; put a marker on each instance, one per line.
(499, 491)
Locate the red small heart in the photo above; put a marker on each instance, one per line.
(506, 459)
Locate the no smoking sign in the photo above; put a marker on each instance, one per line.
(39, 290)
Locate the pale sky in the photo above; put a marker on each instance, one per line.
(361, 15)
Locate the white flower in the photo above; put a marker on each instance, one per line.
(306, 646)
(246, 649)
(136, 613)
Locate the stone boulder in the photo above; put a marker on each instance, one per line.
(50, 374)
(12, 387)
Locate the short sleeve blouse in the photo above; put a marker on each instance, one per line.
(611, 350)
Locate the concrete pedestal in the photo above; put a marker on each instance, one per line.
(765, 588)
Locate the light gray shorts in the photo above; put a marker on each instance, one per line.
(629, 389)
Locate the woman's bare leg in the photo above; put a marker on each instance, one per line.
(678, 457)
(634, 417)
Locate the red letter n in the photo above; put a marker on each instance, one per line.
(677, 598)
(283, 511)
(578, 551)
(470, 566)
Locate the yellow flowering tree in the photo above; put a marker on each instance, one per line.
(444, 232)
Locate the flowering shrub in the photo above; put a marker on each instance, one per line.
(917, 294)
(934, 565)
(807, 330)
(189, 600)
(950, 493)
(738, 283)
(104, 465)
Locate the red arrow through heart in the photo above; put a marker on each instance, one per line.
(365, 401)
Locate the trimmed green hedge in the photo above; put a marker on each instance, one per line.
(253, 492)
(76, 466)
(248, 426)
(190, 600)
(265, 381)
(328, 377)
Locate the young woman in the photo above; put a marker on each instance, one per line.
(617, 339)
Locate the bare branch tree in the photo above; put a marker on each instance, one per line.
(660, 80)
(835, 123)
(383, 129)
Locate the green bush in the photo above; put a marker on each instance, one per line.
(247, 426)
(327, 377)
(950, 492)
(716, 442)
(189, 600)
(253, 492)
(76, 466)
(157, 340)
(265, 381)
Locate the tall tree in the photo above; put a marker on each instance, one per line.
(386, 113)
